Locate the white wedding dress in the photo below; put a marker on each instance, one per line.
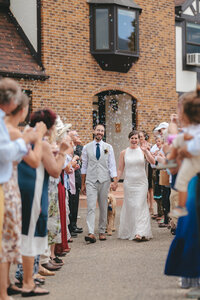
(135, 217)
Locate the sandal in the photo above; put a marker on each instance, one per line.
(57, 261)
(145, 239)
(44, 272)
(39, 281)
(13, 291)
(138, 238)
(102, 237)
(18, 282)
(39, 276)
(34, 292)
(90, 238)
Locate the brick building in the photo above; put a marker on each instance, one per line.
(46, 45)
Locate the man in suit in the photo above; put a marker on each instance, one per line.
(98, 167)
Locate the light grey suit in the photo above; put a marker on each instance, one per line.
(98, 177)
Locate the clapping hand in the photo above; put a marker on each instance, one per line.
(64, 146)
(30, 136)
(41, 129)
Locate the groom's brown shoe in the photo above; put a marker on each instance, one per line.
(102, 237)
(90, 238)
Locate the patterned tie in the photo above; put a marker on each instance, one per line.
(97, 151)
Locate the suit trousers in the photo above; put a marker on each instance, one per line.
(73, 208)
(97, 191)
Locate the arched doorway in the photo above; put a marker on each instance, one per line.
(117, 111)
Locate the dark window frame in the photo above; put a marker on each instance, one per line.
(113, 59)
(190, 43)
(109, 28)
(113, 31)
(187, 67)
(182, 20)
(136, 52)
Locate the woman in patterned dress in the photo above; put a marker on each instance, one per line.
(11, 238)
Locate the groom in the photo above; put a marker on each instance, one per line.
(98, 167)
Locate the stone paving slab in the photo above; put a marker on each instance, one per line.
(115, 269)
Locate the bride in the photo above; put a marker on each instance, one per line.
(135, 218)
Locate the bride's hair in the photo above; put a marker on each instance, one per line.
(133, 132)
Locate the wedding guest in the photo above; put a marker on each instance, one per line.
(98, 167)
(190, 111)
(61, 248)
(155, 151)
(11, 239)
(33, 184)
(184, 253)
(10, 98)
(135, 217)
(74, 199)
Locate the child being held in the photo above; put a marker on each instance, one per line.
(188, 141)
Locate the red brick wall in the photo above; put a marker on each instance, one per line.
(75, 76)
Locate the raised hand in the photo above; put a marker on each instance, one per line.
(30, 136)
(41, 129)
(64, 146)
(144, 146)
(174, 118)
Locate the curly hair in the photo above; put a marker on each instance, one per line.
(9, 91)
(24, 102)
(45, 115)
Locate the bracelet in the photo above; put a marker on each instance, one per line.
(62, 154)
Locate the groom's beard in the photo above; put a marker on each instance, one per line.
(98, 137)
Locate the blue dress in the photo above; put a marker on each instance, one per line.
(33, 185)
(184, 254)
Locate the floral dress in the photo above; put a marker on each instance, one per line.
(54, 226)
(11, 235)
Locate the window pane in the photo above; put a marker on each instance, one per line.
(193, 33)
(102, 29)
(126, 30)
(192, 49)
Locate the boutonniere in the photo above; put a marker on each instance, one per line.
(105, 151)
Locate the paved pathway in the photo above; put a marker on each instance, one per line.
(115, 269)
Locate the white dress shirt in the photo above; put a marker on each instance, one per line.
(111, 159)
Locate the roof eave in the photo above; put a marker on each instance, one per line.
(125, 3)
(30, 76)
